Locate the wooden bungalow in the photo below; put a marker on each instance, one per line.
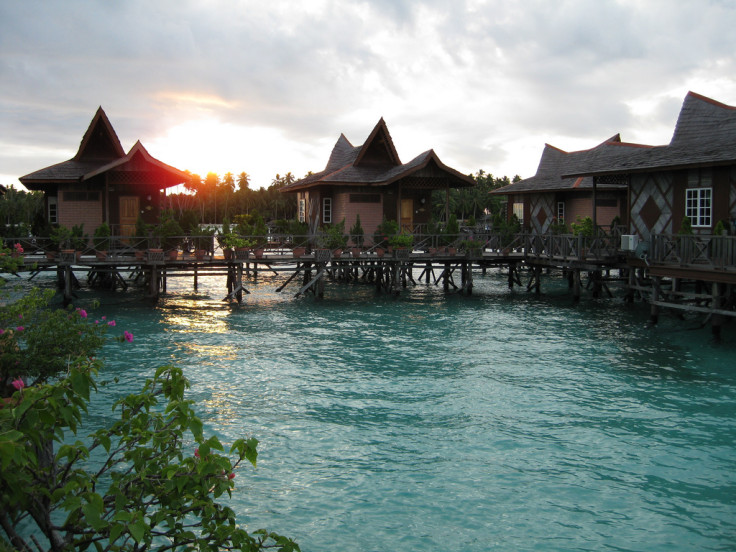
(102, 183)
(693, 176)
(547, 197)
(371, 181)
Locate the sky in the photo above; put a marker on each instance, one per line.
(268, 86)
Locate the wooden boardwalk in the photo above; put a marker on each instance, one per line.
(686, 274)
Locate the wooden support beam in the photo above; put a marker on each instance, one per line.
(318, 276)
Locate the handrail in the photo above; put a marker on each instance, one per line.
(701, 251)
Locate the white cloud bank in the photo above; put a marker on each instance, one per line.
(267, 87)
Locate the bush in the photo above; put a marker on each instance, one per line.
(101, 238)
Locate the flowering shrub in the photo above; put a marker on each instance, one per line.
(129, 486)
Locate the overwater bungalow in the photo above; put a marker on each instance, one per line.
(694, 176)
(371, 181)
(682, 206)
(102, 183)
(546, 199)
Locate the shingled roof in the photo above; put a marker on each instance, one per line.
(375, 163)
(99, 151)
(552, 165)
(705, 135)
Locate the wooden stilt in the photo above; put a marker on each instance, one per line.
(654, 311)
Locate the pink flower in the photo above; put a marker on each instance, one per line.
(18, 384)
(128, 336)
(231, 475)
(82, 313)
(2, 331)
(111, 323)
(19, 329)
(196, 452)
(18, 248)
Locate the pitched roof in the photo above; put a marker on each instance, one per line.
(375, 163)
(552, 165)
(99, 151)
(705, 135)
(141, 151)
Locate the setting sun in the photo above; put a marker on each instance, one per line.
(208, 145)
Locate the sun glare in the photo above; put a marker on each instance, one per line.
(208, 145)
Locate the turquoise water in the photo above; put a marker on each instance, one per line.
(501, 421)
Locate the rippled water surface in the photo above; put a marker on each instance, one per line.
(501, 421)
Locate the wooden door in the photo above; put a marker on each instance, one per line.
(128, 214)
(407, 215)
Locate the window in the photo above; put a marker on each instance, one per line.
(53, 212)
(519, 211)
(81, 196)
(698, 206)
(302, 210)
(327, 210)
(561, 212)
(365, 198)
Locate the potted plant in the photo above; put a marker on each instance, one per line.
(403, 240)
(101, 240)
(170, 234)
(383, 231)
(357, 234)
(140, 243)
(59, 239)
(452, 230)
(471, 247)
(203, 242)
(79, 239)
(334, 238)
(583, 228)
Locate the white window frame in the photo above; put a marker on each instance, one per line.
(327, 210)
(560, 212)
(53, 210)
(699, 207)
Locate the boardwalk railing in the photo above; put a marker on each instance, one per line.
(570, 247)
(703, 252)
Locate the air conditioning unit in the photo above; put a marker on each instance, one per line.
(629, 242)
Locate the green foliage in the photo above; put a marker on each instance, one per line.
(583, 227)
(334, 236)
(357, 233)
(149, 479)
(558, 227)
(471, 245)
(203, 238)
(21, 213)
(252, 225)
(719, 229)
(169, 231)
(142, 230)
(401, 240)
(79, 240)
(386, 229)
(10, 260)
(40, 342)
(101, 238)
(452, 229)
(686, 227)
(61, 238)
(134, 485)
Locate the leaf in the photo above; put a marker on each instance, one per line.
(92, 511)
(138, 530)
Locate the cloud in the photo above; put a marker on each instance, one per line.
(484, 82)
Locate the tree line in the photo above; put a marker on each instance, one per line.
(215, 198)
